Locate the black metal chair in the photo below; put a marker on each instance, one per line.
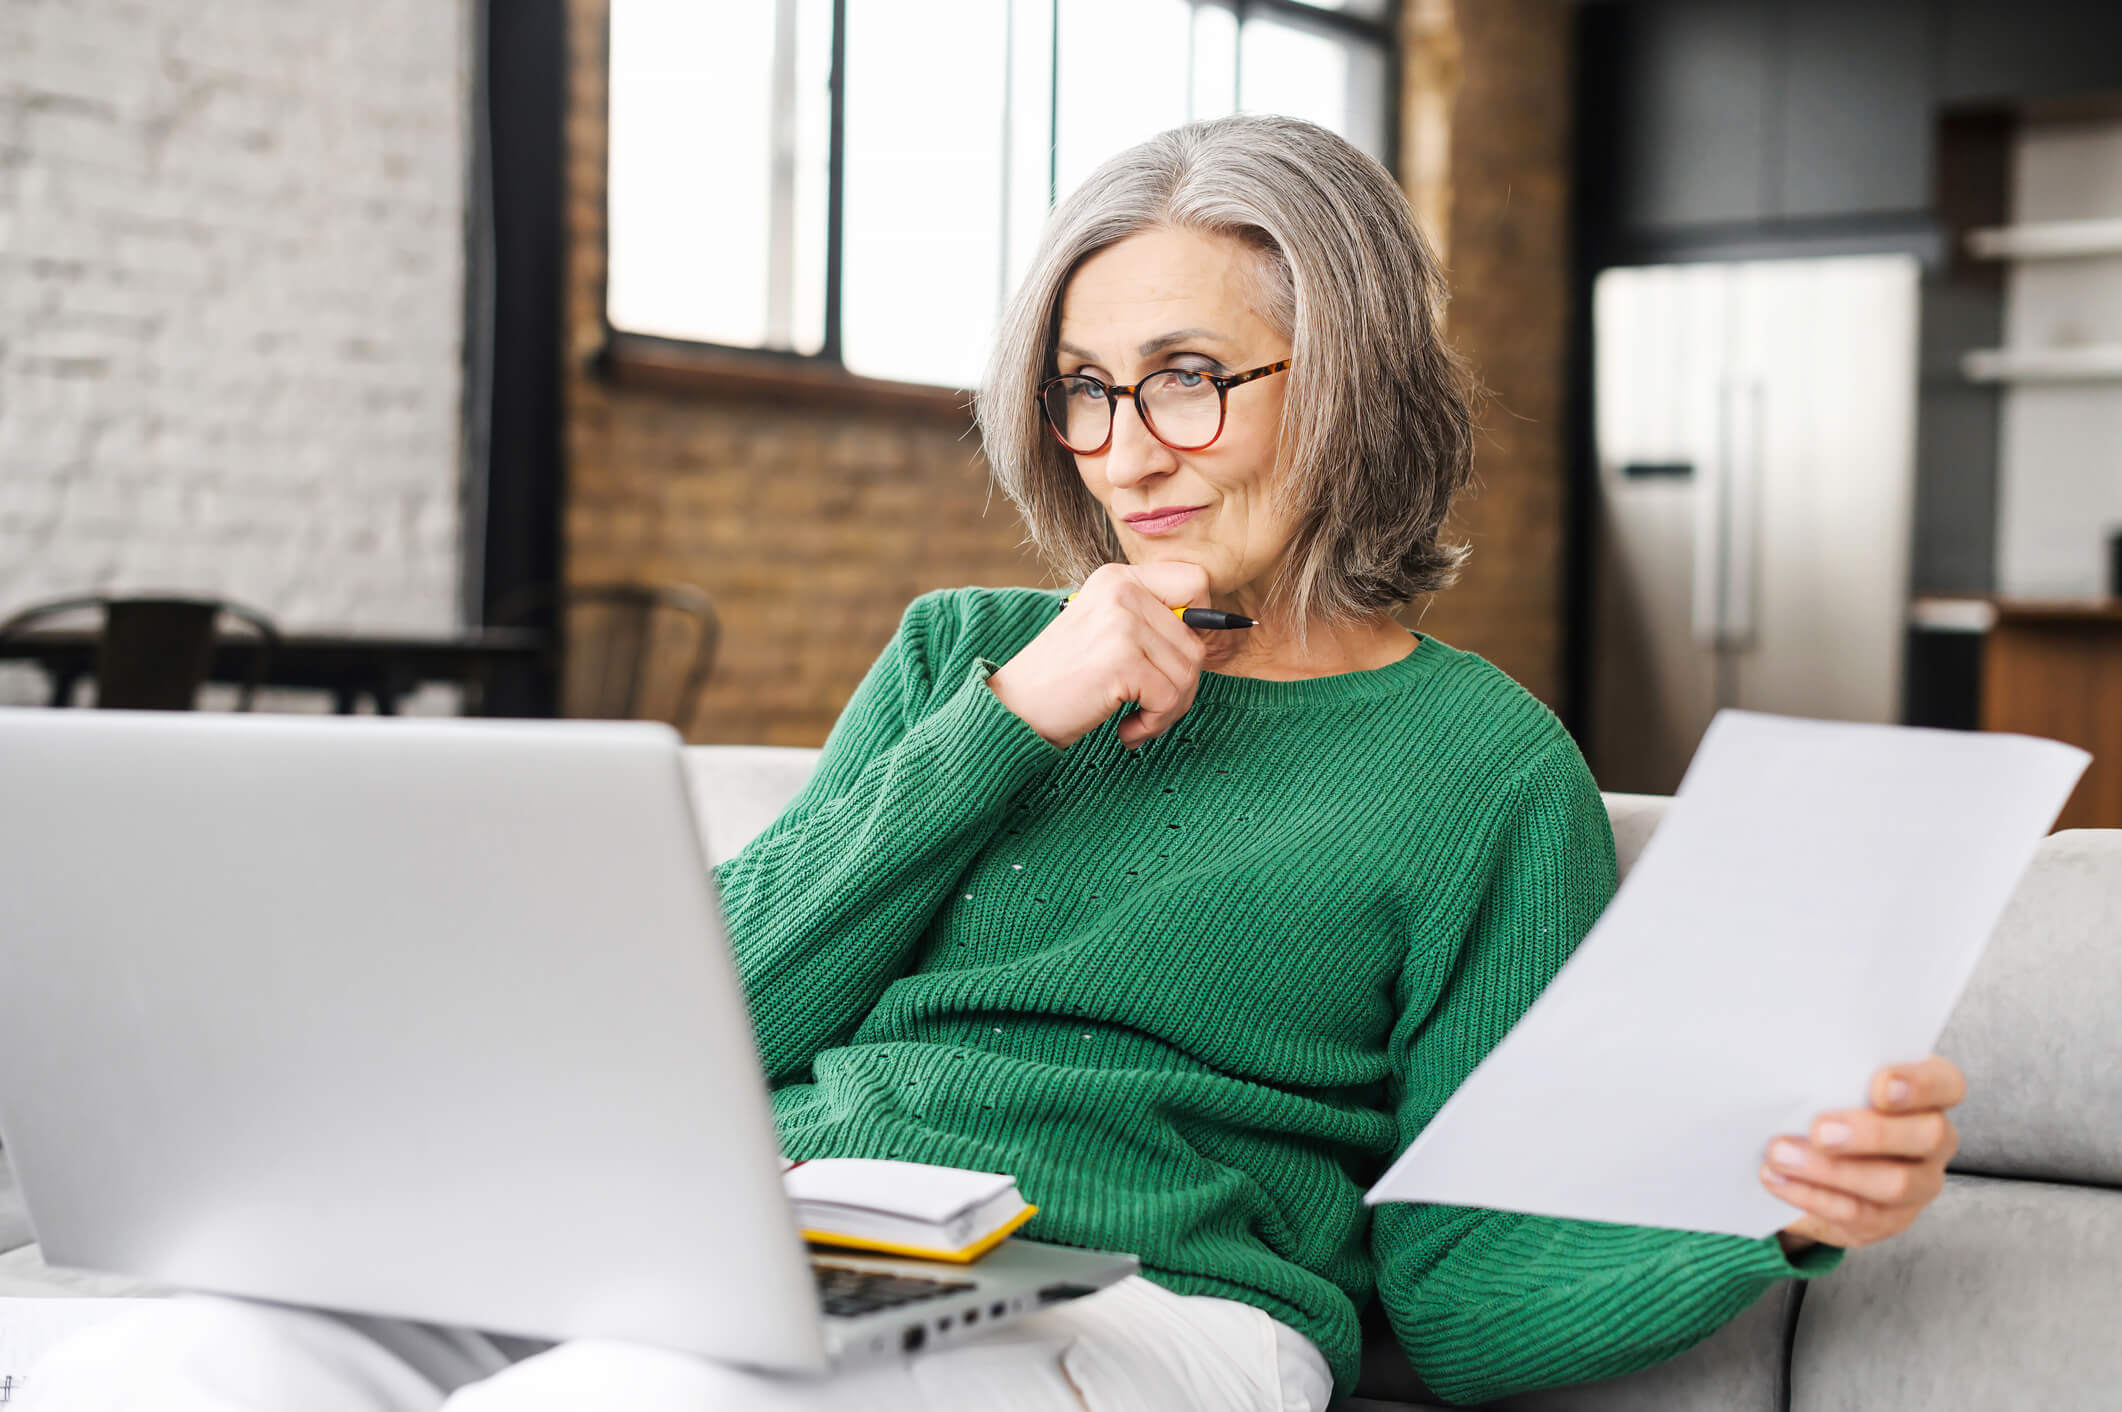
(153, 654)
(629, 651)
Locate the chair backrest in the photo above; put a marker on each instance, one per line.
(632, 651)
(155, 653)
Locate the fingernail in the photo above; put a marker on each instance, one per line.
(1834, 1134)
(1897, 1090)
(1775, 1176)
(1788, 1154)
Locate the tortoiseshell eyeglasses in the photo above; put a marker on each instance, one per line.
(1182, 407)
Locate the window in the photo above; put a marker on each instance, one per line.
(878, 222)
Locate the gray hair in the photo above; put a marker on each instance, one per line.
(1376, 434)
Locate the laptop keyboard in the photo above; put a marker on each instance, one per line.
(848, 1290)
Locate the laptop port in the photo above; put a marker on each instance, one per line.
(913, 1338)
(1054, 1294)
(994, 1311)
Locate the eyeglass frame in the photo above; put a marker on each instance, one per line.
(1224, 382)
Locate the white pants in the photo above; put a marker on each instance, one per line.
(1132, 1347)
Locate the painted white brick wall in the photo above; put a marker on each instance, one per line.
(231, 304)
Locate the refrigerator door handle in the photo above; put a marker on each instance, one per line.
(1741, 529)
(1712, 483)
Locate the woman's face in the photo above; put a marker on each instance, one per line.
(1178, 299)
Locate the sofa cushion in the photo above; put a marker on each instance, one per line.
(737, 790)
(2037, 1033)
(2002, 1294)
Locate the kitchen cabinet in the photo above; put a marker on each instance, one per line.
(1721, 113)
(1995, 52)
(1853, 120)
(1690, 110)
(2054, 669)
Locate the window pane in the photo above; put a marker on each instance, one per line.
(713, 236)
(923, 213)
(1215, 62)
(1308, 72)
(1116, 79)
(1031, 86)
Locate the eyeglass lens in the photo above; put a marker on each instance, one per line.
(1180, 405)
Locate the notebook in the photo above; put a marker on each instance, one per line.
(903, 1208)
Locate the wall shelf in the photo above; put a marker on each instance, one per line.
(2096, 362)
(2048, 240)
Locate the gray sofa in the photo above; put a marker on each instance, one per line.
(2006, 1293)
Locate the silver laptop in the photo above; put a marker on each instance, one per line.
(433, 1019)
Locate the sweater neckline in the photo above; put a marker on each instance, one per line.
(1259, 692)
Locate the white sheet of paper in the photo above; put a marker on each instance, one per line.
(1807, 913)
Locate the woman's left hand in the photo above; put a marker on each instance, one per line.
(1867, 1173)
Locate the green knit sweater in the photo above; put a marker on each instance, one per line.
(1196, 996)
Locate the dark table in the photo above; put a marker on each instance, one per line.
(347, 665)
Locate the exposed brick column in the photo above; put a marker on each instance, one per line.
(1493, 191)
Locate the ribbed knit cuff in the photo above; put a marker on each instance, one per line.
(1762, 1262)
(992, 734)
(1813, 1260)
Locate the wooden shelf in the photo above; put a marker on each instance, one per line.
(2095, 362)
(1977, 615)
(2047, 240)
(2059, 610)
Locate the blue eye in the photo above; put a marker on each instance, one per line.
(1187, 377)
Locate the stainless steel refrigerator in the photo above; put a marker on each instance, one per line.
(1755, 425)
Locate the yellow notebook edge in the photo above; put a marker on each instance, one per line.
(966, 1256)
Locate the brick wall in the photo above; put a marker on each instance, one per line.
(812, 529)
(232, 304)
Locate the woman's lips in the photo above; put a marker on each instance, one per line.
(1164, 523)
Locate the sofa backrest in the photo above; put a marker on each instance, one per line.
(739, 789)
(2007, 1291)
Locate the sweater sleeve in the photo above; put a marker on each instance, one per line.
(825, 904)
(1487, 1303)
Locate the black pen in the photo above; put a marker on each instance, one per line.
(1198, 617)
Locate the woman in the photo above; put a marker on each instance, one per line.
(1192, 932)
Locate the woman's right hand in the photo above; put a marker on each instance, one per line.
(1119, 641)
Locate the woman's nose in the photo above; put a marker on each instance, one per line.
(1134, 453)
